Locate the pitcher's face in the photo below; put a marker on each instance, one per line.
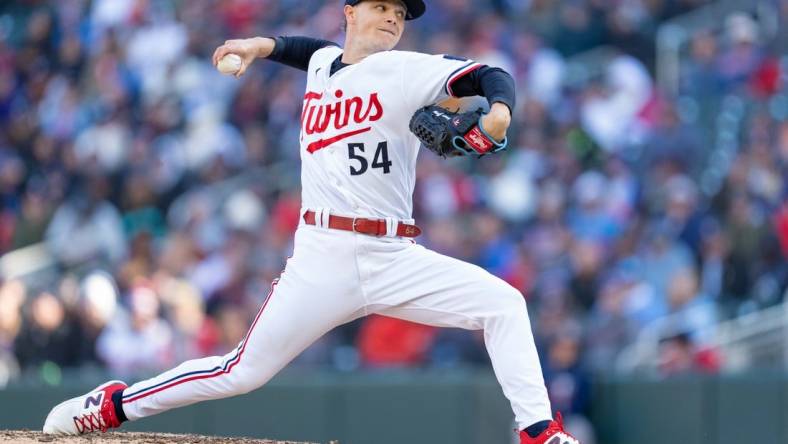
(377, 23)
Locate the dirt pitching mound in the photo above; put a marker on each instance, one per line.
(31, 437)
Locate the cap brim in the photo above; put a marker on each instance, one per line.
(416, 9)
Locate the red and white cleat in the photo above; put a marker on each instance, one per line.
(553, 434)
(91, 412)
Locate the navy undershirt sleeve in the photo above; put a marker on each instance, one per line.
(296, 51)
(494, 84)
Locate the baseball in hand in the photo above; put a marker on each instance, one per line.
(229, 64)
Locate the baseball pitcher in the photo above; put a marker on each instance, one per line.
(366, 111)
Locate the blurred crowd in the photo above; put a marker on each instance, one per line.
(119, 144)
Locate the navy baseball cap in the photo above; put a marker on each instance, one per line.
(415, 7)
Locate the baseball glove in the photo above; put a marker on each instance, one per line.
(450, 134)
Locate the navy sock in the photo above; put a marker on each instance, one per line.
(117, 401)
(534, 430)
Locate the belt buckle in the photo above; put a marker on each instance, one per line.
(377, 232)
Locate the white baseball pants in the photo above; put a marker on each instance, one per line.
(337, 276)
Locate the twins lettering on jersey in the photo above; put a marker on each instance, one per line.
(319, 118)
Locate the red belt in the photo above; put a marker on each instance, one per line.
(372, 227)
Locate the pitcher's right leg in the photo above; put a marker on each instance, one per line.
(214, 377)
(317, 291)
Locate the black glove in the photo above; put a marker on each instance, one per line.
(451, 134)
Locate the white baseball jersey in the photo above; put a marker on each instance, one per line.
(358, 156)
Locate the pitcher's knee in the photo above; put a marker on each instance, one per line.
(509, 301)
(246, 386)
(244, 380)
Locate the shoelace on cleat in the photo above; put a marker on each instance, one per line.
(90, 422)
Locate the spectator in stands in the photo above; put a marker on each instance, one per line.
(389, 342)
(87, 230)
(47, 335)
(609, 328)
(678, 356)
(13, 294)
(700, 76)
(689, 310)
(569, 383)
(743, 54)
(97, 306)
(662, 256)
(35, 215)
(137, 340)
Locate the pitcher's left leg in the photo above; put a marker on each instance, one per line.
(416, 284)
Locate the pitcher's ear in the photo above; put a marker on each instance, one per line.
(350, 14)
